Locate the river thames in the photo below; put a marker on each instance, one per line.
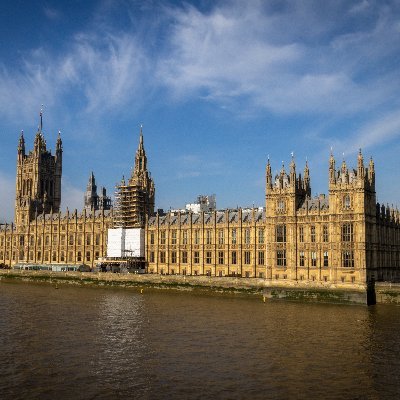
(95, 343)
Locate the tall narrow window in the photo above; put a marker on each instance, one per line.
(197, 236)
(326, 259)
(301, 257)
(208, 257)
(234, 257)
(185, 236)
(247, 257)
(281, 258)
(162, 257)
(281, 233)
(261, 236)
(220, 236)
(346, 202)
(233, 236)
(173, 237)
(184, 257)
(220, 257)
(348, 259)
(247, 236)
(347, 232)
(173, 257)
(261, 258)
(196, 257)
(162, 237)
(208, 236)
(301, 234)
(313, 259)
(325, 234)
(151, 238)
(313, 233)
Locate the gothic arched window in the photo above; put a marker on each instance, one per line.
(346, 202)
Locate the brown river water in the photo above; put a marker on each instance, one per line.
(95, 343)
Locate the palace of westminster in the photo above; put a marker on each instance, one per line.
(345, 237)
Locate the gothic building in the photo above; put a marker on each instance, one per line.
(92, 200)
(342, 238)
(38, 185)
(134, 200)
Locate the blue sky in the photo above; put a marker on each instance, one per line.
(217, 85)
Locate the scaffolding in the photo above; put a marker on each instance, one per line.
(131, 206)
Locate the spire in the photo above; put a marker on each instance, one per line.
(283, 169)
(292, 164)
(140, 158)
(306, 176)
(41, 119)
(371, 172)
(344, 166)
(332, 168)
(59, 143)
(360, 165)
(292, 171)
(268, 174)
(21, 144)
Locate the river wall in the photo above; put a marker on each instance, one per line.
(382, 293)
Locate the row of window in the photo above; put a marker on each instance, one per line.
(79, 239)
(347, 258)
(280, 235)
(208, 257)
(208, 236)
(46, 257)
(347, 233)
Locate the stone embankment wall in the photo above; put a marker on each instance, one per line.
(303, 290)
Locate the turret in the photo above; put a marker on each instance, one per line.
(140, 159)
(360, 167)
(332, 169)
(21, 146)
(307, 180)
(134, 200)
(292, 171)
(268, 175)
(38, 187)
(371, 173)
(91, 198)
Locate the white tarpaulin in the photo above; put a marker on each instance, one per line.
(125, 242)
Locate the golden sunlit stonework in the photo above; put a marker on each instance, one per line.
(344, 238)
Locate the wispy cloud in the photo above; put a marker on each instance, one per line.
(51, 13)
(375, 133)
(243, 55)
(264, 57)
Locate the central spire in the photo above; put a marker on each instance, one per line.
(140, 158)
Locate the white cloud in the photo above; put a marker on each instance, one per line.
(375, 133)
(239, 51)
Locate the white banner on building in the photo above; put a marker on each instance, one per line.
(123, 243)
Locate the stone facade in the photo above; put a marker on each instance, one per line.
(344, 238)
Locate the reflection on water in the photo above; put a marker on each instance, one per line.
(91, 343)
